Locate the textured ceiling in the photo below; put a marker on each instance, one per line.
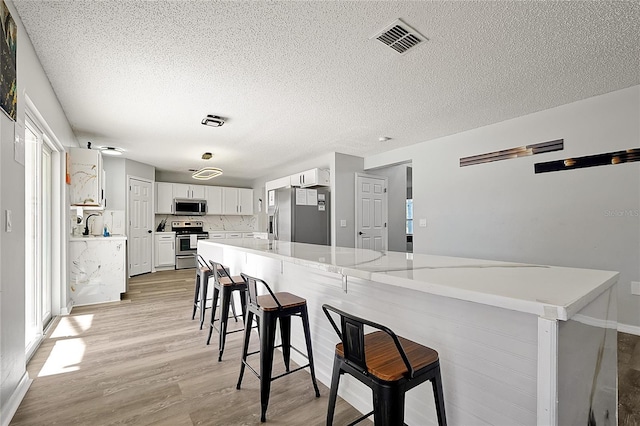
(300, 79)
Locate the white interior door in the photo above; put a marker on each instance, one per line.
(371, 212)
(140, 226)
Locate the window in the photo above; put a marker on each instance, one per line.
(410, 217)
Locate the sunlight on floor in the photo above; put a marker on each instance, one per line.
(65, 357)
(72, 326)
(67, 353)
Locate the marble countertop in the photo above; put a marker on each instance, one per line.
(551, 292)
(98, 238)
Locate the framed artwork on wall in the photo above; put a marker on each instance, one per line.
(8, 46)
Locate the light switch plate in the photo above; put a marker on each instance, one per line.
(635, 287)
(422, 223)
(343, 223)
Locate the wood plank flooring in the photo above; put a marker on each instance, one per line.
(143, 361)
(628, 380)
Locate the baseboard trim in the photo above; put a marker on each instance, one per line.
(9, 409)
(631, 329)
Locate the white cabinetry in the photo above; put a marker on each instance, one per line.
(191, 192)
(237, 201)
(213, 195)
(164, 198)
(87, 178)
(165, 250)
(312, 177)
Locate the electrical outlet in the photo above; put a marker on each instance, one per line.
(343, 223)
(635, 287)
(422, 223)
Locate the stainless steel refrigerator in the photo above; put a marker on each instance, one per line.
(299, 215)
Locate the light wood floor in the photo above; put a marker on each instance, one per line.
(144, 361)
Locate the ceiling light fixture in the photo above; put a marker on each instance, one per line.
(213, 121)
(206, 173)
(110, 150)
(207, 156)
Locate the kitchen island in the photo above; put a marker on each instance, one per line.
(518, 344)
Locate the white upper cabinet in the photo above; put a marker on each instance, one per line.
(191, 192)
(245, 201)
(312, 177)
(220, 200)
(164, 198)
(87, 178)
(213, 195)
(198, 192)
(237, 201)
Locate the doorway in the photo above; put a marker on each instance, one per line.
(140, 234)
(371, 212)
(39, 235)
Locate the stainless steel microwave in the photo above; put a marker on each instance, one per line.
(187, 207)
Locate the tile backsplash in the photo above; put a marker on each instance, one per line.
(213, 223)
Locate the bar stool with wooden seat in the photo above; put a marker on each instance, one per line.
(203, 273)
(390, 365)
(224, 285)
(268, 309)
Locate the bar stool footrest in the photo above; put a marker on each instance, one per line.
(359, 419)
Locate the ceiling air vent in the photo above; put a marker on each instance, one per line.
(399, 36)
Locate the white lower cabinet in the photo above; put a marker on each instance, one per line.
(165, 250)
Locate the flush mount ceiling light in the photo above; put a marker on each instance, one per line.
(213, 121)
(110, 150)
(207, 156)
(206, 173)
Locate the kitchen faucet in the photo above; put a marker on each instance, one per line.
(86, 224)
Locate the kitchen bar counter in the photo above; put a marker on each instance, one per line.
(519, 344)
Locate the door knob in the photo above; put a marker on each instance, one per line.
(360, 233)
(149, 231)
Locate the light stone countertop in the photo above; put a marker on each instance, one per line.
(547, 291)
(98, 238)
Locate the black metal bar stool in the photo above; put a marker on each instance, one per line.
(390, 365)
(203, 273)
(268, 309)
(224, 285)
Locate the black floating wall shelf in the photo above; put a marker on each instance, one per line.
(521, 151)
(617, 157)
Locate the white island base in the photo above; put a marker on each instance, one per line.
(518, 344)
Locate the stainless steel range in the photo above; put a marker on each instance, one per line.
(187, 235)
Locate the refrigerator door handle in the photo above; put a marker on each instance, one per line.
(275, 223)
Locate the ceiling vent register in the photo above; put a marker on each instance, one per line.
(400, 37)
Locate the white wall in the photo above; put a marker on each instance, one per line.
(32, 82)
(584, 218)
(343, 196)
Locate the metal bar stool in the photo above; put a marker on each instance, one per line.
(203, 273)
(390, 365)
(224, 285)
(268, 309)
